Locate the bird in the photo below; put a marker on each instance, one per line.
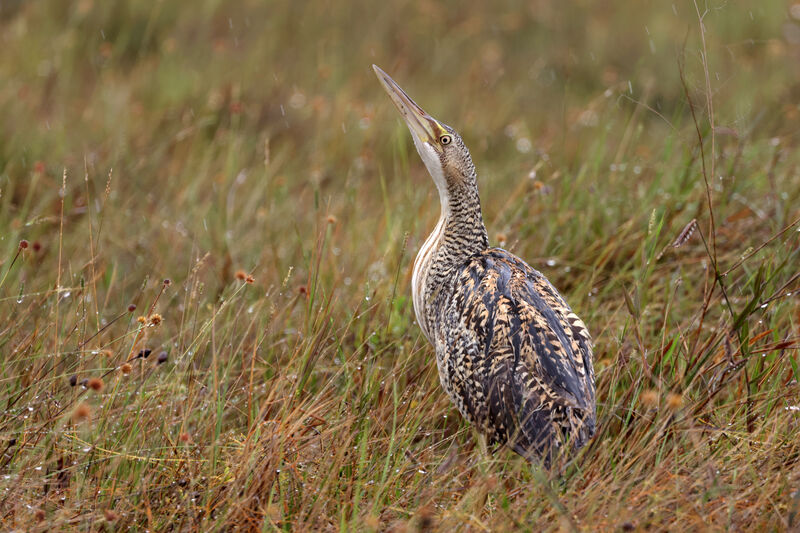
(511, 354)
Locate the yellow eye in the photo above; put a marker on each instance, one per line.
(445, 139)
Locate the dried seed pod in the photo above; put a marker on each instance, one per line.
(685, 233)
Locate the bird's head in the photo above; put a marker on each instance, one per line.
(440, 147)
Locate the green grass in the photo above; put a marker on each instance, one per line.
(142, 141)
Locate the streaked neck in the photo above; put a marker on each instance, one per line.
(458, 235)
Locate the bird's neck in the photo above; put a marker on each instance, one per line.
(459, 234)
(462, 228)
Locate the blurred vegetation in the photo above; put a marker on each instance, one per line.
(210, 141)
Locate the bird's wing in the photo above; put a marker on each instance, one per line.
(529, 355)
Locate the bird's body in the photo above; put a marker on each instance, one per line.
(511, 354)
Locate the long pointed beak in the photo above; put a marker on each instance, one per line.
(421, 124)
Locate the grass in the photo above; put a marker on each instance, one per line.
(206, 142)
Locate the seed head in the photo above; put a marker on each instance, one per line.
(331, 219)
(141, 320)
(23, 244)
(302, 290)
(126, 368)
(144, 353)
(131, 308)
(162, 358)
(82, 411)
(39, 515)
(96, 384)
(241, 275)
(685, 234)
(155, 319)
(167, 282)
(674, 401)
(73, 380)
(184, 437)
(37, 246)
(249, 279)
(650, 398)
(110, 515)
(372, 522)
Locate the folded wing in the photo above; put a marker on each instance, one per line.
(520, 363)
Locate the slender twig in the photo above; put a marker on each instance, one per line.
(19, 251)
(710, 106)
(92, 256)
(63, 194)
(759, 247)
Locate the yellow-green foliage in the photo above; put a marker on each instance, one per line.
(245, 151)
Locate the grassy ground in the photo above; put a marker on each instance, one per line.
(203, 143)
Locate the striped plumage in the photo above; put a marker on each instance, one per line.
(511, 354)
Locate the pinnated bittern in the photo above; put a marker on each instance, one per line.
(511, 354)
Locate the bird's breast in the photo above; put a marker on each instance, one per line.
(419, 278)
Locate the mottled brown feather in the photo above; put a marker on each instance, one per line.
(513, 356)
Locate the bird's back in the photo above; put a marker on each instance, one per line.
(513, 356)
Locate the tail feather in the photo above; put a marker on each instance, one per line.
(545, 430)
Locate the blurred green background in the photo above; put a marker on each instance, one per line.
(180, 99)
